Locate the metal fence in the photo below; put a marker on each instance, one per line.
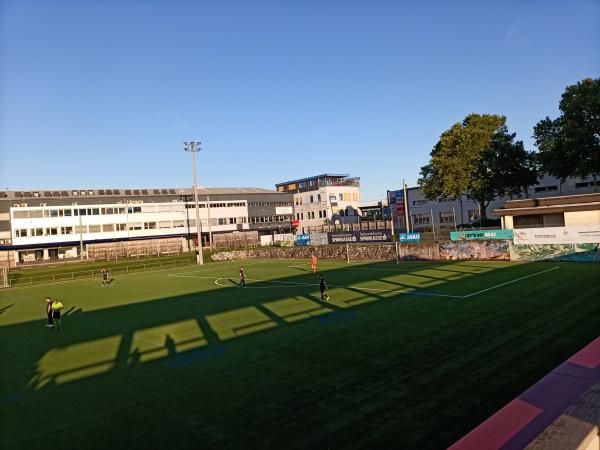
(19, 279)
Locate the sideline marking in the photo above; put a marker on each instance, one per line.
(414, 269)
(294, 284)
(149, 341)
(290, 283)
(509, 282)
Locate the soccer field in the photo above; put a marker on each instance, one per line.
(409, 355)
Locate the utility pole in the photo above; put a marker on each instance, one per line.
(194, 147)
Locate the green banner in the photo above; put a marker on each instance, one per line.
(480, 235)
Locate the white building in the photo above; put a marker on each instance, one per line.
(60, 224)
(447, 212)
(323, 199)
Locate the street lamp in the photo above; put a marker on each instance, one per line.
(194, 147)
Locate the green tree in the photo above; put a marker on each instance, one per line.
(570, 144)
(480, 158)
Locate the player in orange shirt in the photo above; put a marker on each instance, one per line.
(314, 262)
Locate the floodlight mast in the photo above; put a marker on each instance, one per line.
(194, 147)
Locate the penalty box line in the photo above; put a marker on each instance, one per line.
(510, 282)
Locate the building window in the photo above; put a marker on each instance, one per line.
(545, 188)
(446, 217)
(95, 229)
(20, 215)
(150, 226)
(106, 228)
(66, 230)
(421, 219)
(20, 233)
(121, 227)
(341, 197)
(37, 231)
(52, 231)
(586, 184)
(311, 199)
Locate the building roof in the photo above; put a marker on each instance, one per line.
(325, 175)
(548, 205)
(118, 192)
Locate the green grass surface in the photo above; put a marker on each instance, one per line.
(406, 356)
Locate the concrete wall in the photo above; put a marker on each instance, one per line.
(582, 218)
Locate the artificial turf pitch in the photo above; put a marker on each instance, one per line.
(406, 356)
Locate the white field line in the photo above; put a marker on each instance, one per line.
(414, 269)
(509, 282)
(128, 274)
(413, 292)
(149, 341)
(291, 284)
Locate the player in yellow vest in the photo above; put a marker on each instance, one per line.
(56, 307)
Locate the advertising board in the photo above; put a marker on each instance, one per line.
(480, 235)
(359, 236)
(409, 237)
(302, 239)
(557, 235)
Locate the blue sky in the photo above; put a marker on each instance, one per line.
(98, 94)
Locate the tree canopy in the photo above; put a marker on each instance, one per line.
(570, 144)
(479, 158)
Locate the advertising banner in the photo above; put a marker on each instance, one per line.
(397, 203)
(302, 239)
(318, 239)
(375, 236)
(410, 237)
(557, 235)
(480, 235)
(360, 236)
(279, 210)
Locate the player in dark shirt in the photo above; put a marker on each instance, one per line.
(104, 277)
(323, 288)
(242, 277)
